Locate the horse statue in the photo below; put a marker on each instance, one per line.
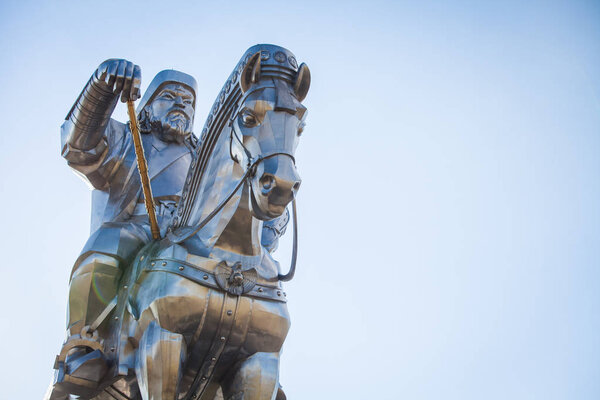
(201, 313)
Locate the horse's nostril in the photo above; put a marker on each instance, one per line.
(296, 186)
(267, 182)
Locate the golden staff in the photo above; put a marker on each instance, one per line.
(143, 169)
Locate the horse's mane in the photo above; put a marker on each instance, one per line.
(224, 107)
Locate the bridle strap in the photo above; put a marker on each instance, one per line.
(249, 153)
(290, 275)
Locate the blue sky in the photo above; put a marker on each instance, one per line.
(449, 219)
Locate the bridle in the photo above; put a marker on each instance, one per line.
(183, 233)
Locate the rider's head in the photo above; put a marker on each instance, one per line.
(167, 107)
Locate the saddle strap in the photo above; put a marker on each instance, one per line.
(104, 314)
(208, 278)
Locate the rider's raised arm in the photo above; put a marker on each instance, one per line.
(89, 137)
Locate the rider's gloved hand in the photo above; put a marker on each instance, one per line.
(120, 77)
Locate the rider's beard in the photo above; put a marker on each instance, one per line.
(173, 127)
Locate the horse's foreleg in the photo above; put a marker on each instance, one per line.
(255, 378)
(159, 361)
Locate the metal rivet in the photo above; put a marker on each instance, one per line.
(229, 312)
(260, 289)
(164, 263)
(125, 287)
(181, 268)
(214, 359)
(142, 258)
(203, 378)
(153, 263)
(112, 349)
(116, 318)
(278, 293)
(205, 277)
(222, 338)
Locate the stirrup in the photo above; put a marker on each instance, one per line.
(81, 365)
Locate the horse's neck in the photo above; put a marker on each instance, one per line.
(242, 233)
(233, 229)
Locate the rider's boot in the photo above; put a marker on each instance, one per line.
(82, 363)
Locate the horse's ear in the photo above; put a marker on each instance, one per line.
(251, 72)
(302, 83)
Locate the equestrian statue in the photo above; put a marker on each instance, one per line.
(176, 294)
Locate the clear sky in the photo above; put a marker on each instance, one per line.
(449, 211)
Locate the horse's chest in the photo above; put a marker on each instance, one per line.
(219, 328)
(238, 324)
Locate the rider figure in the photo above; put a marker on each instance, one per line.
(101, 150)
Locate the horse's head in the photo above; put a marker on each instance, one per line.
(256, 121)
(266, 129)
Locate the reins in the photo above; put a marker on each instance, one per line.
(188, 232)
(290, 275)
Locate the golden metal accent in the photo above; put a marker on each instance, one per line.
(143, 170)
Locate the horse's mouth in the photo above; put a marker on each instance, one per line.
(277, 208)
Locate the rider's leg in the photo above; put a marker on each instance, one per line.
(255, 378)
(93, 286)
(96, 273)
(82, 362)
(160, 358)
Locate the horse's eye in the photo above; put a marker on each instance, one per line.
(249, 119)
